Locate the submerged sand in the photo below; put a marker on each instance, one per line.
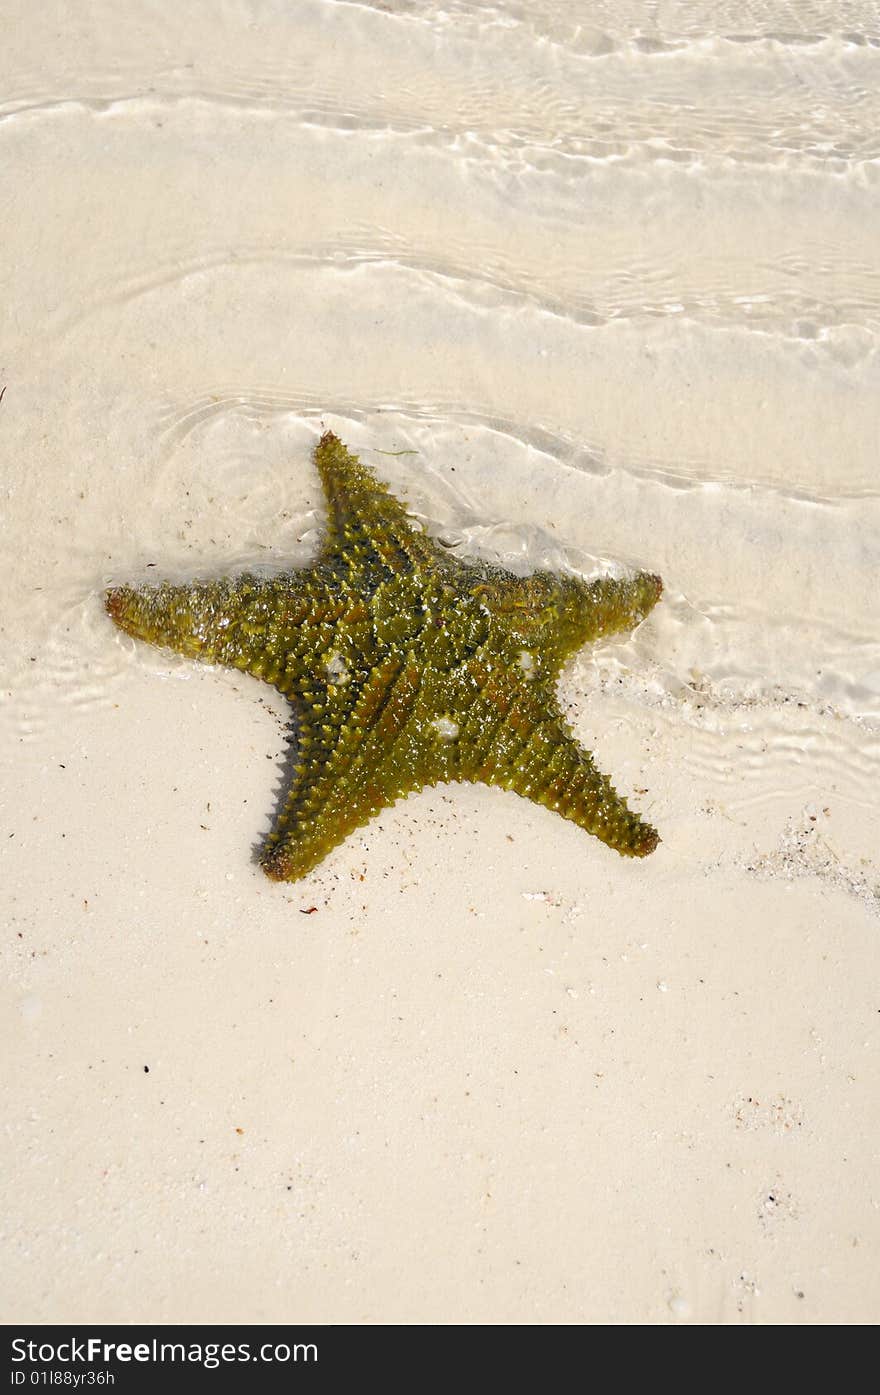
(613, 282)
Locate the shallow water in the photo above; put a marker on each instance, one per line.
(590, 285)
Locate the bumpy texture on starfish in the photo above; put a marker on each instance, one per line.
(406, 667)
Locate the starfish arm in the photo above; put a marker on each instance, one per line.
(351, 763)
(610, 605)
(553, 770)
(558, 614)
(257, 624)
(515, 736)
(368, 530)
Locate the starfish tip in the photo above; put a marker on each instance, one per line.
(276, 865)
(648, 840)
(114, 602)
(650, 589)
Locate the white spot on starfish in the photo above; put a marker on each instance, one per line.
(336, 669)
(445, 728)
(526, 662)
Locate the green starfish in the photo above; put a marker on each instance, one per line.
(405, 666)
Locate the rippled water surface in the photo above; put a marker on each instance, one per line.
(589, 284)
(611, 272)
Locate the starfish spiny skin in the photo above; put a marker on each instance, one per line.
(405, 667)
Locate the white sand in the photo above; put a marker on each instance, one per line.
(616, 281)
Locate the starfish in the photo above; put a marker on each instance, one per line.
(405, 666)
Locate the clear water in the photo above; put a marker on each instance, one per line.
(609, 272)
